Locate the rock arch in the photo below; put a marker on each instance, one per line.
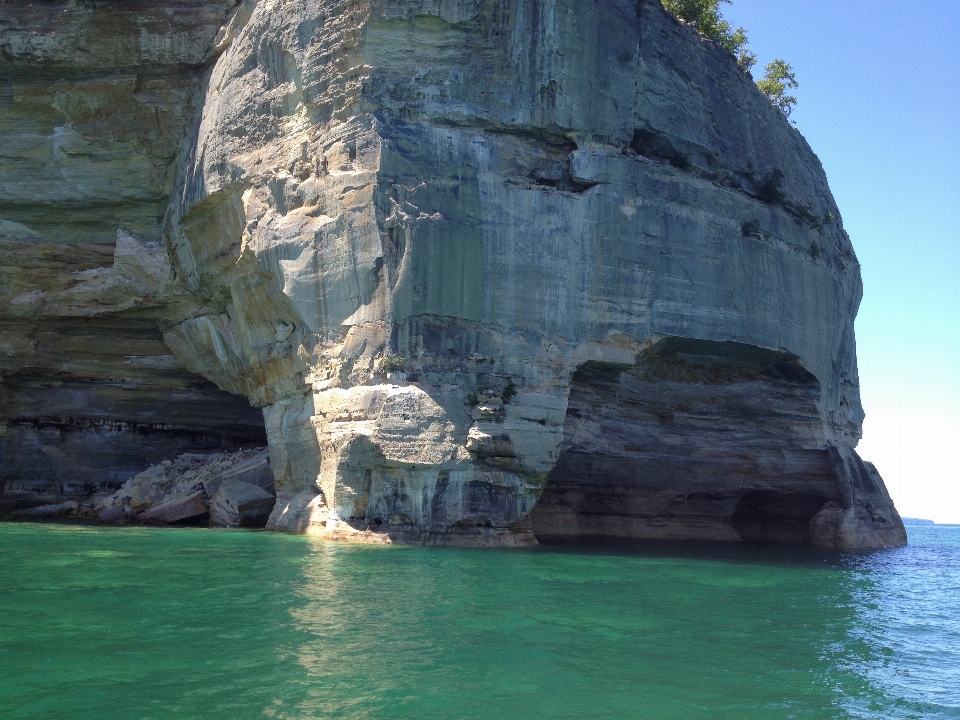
(703, 440)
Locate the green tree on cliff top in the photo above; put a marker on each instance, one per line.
(778, 79)
(705, 16)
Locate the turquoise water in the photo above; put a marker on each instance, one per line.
(163, 623)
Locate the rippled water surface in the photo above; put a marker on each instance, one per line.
(141, 623)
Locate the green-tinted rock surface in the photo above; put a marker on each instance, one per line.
(467, 255)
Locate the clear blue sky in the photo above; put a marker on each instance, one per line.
(879, 102)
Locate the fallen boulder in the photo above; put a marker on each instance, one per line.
(177, 508)
(116, 514)
(64, 509)
(240, 504)
(149, 487)
(176, 491)
(249, 466)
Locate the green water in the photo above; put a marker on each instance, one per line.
(143, 623)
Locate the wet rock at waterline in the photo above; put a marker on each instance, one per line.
(225, 490)
(490, 271)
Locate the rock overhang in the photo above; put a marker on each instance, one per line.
(89, 391)
(436, 215)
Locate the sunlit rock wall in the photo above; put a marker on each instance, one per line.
(408, 227)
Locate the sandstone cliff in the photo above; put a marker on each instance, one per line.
(490, 268)
(95, 102)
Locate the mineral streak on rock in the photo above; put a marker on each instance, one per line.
(498, 269)
(95, 102)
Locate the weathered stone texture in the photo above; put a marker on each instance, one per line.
(240, 504)
(224, 489)
(469, 254)
(95, 102)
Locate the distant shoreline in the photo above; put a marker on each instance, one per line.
(920, 521)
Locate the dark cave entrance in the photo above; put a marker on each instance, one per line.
(700, 440)
(52, 453)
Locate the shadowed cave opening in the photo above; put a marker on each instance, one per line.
(118, 433)
(700, 440)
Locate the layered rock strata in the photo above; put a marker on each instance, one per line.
(496, 269)
(707, 440)
(96, 99)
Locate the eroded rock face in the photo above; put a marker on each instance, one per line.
(708, 441)
(497, 270)
(95, 102)
(423, 227)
